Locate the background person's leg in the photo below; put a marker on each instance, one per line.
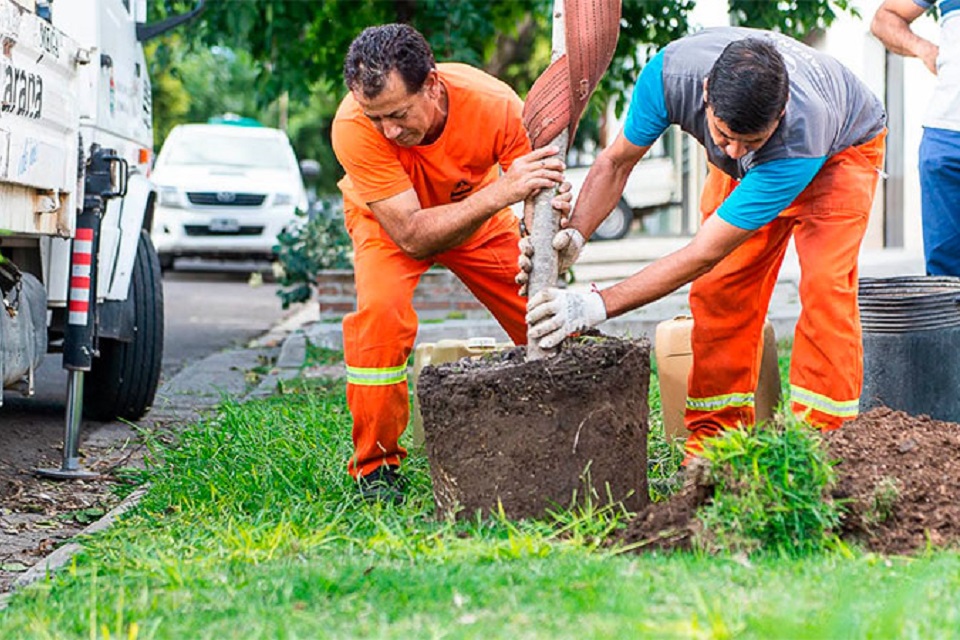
(940, 200)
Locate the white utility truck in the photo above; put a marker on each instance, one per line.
(78, 272)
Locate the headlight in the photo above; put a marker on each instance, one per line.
(169, 197)
(282, 199)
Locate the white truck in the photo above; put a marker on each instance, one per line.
(78, 272)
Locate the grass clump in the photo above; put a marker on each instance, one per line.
(882, 501)
(772, 491)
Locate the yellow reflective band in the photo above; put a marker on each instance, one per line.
(838, 408)
(715, 403)
(372, 377)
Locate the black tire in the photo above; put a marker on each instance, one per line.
(123, 380)
(616, 225)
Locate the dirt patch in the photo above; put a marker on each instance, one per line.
(531, 435)
(899, 476)
(902, 476)
(671, 524)
(38, 515)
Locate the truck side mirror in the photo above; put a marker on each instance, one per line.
(148, 31)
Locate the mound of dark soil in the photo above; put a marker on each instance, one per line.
(902, 476)
(899, 476)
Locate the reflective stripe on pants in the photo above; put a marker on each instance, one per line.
(379, 336)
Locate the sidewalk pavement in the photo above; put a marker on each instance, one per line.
(251, 371)
(604, 264)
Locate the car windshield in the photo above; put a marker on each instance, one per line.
(228, 150)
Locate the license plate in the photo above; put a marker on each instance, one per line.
(224, 225)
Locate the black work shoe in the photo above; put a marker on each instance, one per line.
(383, 484)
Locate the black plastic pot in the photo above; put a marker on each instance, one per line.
(911, 345)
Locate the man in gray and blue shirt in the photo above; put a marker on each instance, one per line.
(795, 145)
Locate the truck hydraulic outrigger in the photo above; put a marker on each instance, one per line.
(106, 178)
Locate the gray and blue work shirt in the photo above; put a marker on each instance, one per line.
(828, 111)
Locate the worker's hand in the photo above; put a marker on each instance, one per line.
(524, 264)
(929, 55)
(553, 314)
(539, 169)
(567, 243)
(562, 202)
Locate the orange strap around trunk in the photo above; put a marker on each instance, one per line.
(559, 96)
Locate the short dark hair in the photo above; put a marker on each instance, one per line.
(748, 85)
(379, 50)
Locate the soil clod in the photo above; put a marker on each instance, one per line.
(534, 436)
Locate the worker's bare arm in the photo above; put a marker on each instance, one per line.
(715, 240)
(604, 184)
(891, 24)
(421, 233)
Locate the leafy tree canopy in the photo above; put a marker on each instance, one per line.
(301, 44)
(296, 48)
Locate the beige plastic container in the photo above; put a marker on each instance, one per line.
(674, 357)
(439, 353)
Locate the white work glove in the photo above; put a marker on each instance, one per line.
(553, 314)
(567, 243)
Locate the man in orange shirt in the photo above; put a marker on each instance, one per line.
(434, 155)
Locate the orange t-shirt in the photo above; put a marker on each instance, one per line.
(483, 131)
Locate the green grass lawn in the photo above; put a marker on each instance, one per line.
(251, 528)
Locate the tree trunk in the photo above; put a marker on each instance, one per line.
(546, 223)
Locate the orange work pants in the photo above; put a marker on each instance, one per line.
(827, 222)
(379, 336)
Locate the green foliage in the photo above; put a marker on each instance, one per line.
(772, 490)
(296, 49)
(193, 84)
(309, 126)
(798, 18)
(170, 100)
(302, 44)
(645, 27)
(322, 242)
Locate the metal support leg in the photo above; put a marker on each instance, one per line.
(70, 468)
